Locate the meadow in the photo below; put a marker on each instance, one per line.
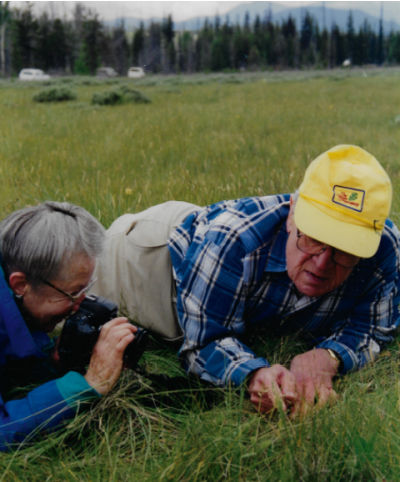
(202, 139)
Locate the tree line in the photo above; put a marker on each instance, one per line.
(81, 44)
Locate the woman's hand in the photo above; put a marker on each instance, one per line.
(106, 361)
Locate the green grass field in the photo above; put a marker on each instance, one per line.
(203, 139)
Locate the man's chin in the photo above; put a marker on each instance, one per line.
(311, 285)
(313, 290)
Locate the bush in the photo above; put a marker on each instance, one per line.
(54, 94)
(108, 97)
(122, 95)
(86, 81)
(135, 96)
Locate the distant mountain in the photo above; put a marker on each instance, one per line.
(324, 15)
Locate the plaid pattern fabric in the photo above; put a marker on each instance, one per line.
(229, 264)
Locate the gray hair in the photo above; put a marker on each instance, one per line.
(40, 240)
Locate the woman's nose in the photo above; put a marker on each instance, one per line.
(77, 303)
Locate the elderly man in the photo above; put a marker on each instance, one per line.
(324, 261)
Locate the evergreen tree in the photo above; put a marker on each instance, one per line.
(323, 48)
(106, 50)
(92, 36)
(59, 42)
(217, 23)
(271, 34)
(337, 47)
(119, 49)
(372, 48)
(168, 57)
(220, 49)
(24, 27)
(138, 46)
(380, 55)
(153, 47)
(5, 18)
(360, 49)
(186, 52)
(254, 58)
(241, 47)
(246, 25)
(43, 43)
(203, 48)
(289, 34)
(394, 47)
(307, 40)
(350, 37)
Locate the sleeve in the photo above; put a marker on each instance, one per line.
(372, 324)
(43, 409)
(211, 297)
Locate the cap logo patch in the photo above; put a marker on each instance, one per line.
(349, 197)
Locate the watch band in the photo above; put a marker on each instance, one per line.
(335, 356)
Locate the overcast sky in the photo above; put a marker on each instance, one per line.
(183, 10)
(109, 10)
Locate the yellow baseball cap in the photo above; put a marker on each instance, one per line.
(344, 200)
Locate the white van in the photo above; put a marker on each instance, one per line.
(106, 72)
(135, 72)
(33, 74)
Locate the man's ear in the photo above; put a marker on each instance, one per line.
(18, 282)
(290, 220)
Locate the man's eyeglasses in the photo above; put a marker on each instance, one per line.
(315, 248)
(73, 297)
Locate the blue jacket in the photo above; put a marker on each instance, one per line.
(23, 355)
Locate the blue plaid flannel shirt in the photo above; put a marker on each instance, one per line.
(229, 264)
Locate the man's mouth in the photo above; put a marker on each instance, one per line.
(314, 277)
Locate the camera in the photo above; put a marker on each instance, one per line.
(81, 331)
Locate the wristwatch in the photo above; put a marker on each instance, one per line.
(333, 354)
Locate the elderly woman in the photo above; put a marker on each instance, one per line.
(48, 255)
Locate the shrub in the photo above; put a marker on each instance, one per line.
(54, 94)
(132, 95)
(87, 81)
(108, 97)
(122, 95)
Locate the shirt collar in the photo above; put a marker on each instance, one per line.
(276, 262)
(21, 343)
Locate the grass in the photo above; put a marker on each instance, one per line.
(203, 139)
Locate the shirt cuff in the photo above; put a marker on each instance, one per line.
(74, 388)
(242, 371)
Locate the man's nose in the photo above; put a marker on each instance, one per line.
(324, 260)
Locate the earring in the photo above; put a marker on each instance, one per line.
(18, 297)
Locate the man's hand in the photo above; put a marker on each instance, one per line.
(313, 372)
(272, 387)
(107, 358)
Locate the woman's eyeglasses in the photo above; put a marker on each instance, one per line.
(73, 297)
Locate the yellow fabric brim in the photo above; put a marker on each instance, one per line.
(362, 241)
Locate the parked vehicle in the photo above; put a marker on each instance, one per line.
(135, 72)
(106, 72)
(33, 74)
